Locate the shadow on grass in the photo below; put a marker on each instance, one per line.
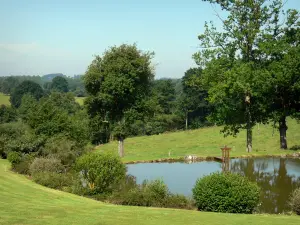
(295, 147)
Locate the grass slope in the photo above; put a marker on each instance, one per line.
(206, 142)
(24, 202)
(4, 99)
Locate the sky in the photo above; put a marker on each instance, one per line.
(39, 37)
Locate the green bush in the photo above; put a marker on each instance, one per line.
(53, 180)
(22, 166)
(63, 149)
(18, 137)
(150, 194)
(101, 172)
(179, 201)
(295, 201)
(14, 158)
(46, 165)
(226, 192)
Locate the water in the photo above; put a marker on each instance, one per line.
(277, 177)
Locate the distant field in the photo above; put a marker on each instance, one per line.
(25, 202)
(80, 100)
(206, 142)
(4, 99)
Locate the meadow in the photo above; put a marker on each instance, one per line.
(4, 99)
(207, 142)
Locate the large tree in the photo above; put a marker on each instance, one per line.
(280, 47)
(233, 66)
(26, 87)
(116, 82)
(60, 84)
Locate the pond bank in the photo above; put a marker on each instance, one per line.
(211, 158)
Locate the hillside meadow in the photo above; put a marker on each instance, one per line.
(207, 142)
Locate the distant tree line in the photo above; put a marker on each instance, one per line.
(50, 82)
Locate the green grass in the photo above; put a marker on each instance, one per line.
(4, 99)
(80, 100)
(206, 142)
(24, 202)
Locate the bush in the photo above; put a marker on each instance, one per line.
(46, 165)
(22, 164)
(14, 158)
(63, 149)
(52, 179)
(295, 201)
(226, 192)
(179, 202)
(151, 194)
(101, 172)
(18, 137)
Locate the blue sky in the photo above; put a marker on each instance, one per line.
(48, 36)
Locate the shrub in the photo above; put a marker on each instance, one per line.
(18, 137)
(14, 158)
(179, 201)
(46, 165)
(226, 192)
(63, 149)
(154, 193)
(22, 165)
(101, 172)
(295, 201)
(52, 179)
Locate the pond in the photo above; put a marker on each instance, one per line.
(277, 177)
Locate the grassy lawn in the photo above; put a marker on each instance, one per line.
(24, 202)
(4, 99)
(206, 142)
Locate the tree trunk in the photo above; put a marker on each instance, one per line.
(249, 125)
(249, 139)
(186, 120)
(121, 147)
(282, 131)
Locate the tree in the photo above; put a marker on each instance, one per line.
(164, 91)
(60, 84)
(193, 99)
(9, 84)
(26, 87)
(233, 69)
(56, 114)
(7, 114)
(116, 82)
(280, 46)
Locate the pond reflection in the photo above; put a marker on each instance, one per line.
(274, 179)
(277, 177)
